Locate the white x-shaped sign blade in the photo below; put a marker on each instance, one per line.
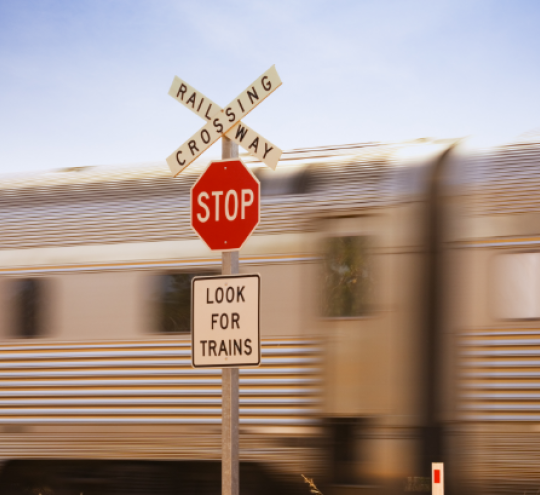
(240, 133)
(226, 121)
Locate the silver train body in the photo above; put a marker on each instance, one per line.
(399, 318)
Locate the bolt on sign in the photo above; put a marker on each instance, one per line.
(225, 122)
(225, 321)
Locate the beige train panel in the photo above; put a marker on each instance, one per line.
(148, 412)
(131, 349)
(143, 372)
(286, 217)
(136, 401)
(503, 179)
(152, 382)
(155, 420)
(133, 364)
(131, 382)
(88, 177)
(165, 363)
(499, 375)
(499, 461)
(189, 444)
(196, 391)
(143, 205)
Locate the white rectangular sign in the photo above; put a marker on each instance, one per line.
(225, 321)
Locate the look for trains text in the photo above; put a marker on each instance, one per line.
(229, 294)
(226, 321)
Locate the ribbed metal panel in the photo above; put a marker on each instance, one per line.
(504, 179)
(497, 448)
(152, 383)
(497, 461)
(500, 374)
(138, 204)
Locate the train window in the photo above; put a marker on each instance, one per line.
(175, 302)
(515, 287)
(27, 302)
(283, 181)
(347, 277)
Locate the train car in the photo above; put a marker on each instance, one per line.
(389, 335)
(492, 276)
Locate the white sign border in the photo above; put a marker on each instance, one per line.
(191, 204)
(192, 322)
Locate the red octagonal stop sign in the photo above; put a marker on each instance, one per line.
(225, 205)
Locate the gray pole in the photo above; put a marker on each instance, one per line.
(230, 482)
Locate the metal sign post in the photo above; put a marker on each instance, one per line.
(230, 479)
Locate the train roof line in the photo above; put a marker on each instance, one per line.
(159, 169)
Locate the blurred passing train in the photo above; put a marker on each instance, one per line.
(400, 326)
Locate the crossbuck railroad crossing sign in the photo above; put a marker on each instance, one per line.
(225, 122)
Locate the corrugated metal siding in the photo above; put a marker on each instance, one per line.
(499, 443)
(504, 179)
(500, 373)
(497, 462)
(152, 383)
(293, 457)
(497, 449)
(118, 204)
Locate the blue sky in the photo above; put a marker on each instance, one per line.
(85, 82)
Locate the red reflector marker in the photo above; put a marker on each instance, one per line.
(437, 478)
